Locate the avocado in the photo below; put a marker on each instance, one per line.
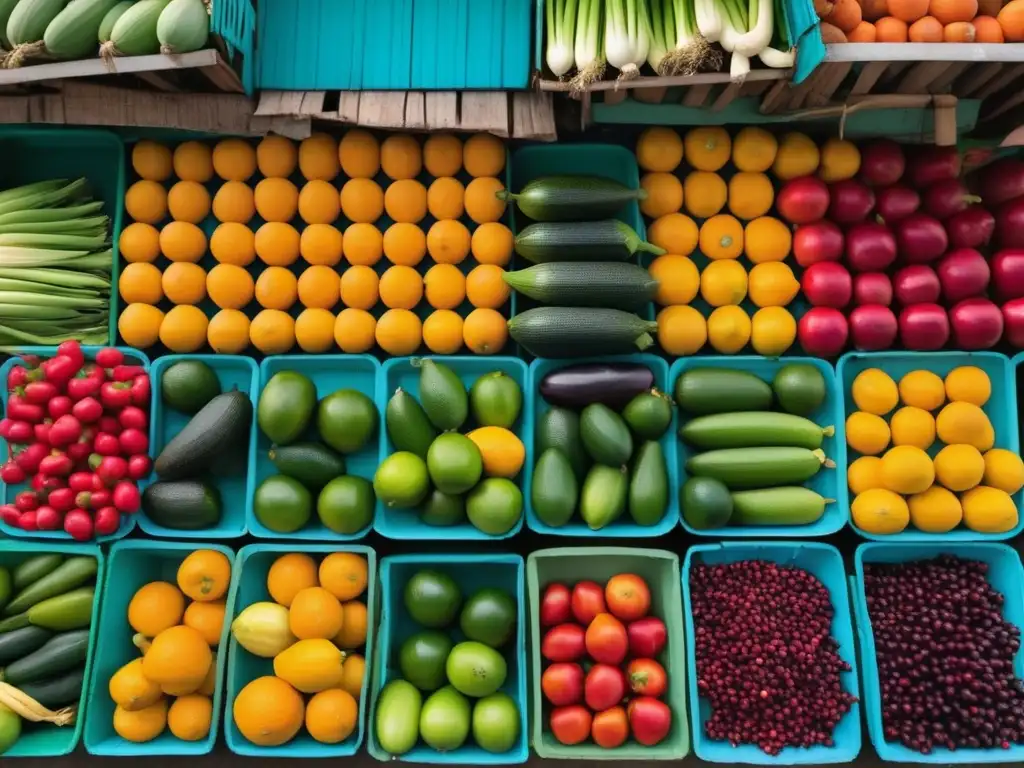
(188, 385)
(648, 485)
(347, 419)
(183, 505)
(443, 509)
(554, 490)
(603, 498)
(220, 427)
(282, 504)
(605, 435)
(312, 464)
(799, 388)
(432, 598)
(560, 428)
(408, 425)
(286, 406)
(442, 395)
(706, 503)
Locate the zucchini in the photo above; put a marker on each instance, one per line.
(219, 427)
(134, 33)
(72, 610)
(21, 642)
(586, 284)
(312, 464)
(108, 22)
(572, 198)
(72, 573)
(741, 468)
(61, 691)
(791, 505)
(721, 390)
(32, 570)
(59, 654)
(74, 32)
(614, 384)
(560, 332)
(608, 240)
(183, 26)
(746, 429)
(182, 505)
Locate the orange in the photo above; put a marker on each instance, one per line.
(331, 716)
(399, 332)
(445, 286)
(448, 241)
(483, 155)
(268, 712)
(363, 244)
(181, 241)
(482, 202)
(405, 244)
(289, 575)
(406, 201)
(319, 202)
(276, 288)
(767, 239)
(344, 575)
(485, 331)
(442, 332)
(354, 330)
(678, 279)
(204, 575)
(362, 201)
(708, 148)
(486, 287)
(141, 725)
(353, 628)
(277, 156)
(177, 660)
(193, 161)
(207, 619)
(445, 198)
(155, 607)
(190, 716)
(750, 195)
(359, 287)
(442, 154)
(721, 237)
(233, 243)
(276, 199)
(318, 287)
(359, 154)
(353, 670)
(401, 157)
(706, 193)
(314, 330)
(151, 160)
(676, 233)
(318, 158)
(140, 242)
(659, 149)
(492, 243)
(234, 159)
(146, 201)
(234, 202)
(321, 244)
(277, 244)
(664, 194)
(315, 613)
(272, 331)
(188, 201)
(401, 287)
(229, 286)
(184, 283)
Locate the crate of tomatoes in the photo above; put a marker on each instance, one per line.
(607, 654)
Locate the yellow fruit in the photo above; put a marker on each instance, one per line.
(311, 665)
(359, 154)
(268, 711)
(139, 325)
(442, 331)
(880, 512)
(151, 160)
(400, 288)
(130, 690)
(290, 574)
(353, 628)
(708, 148)
(344, 574)
(401, 157)
(315, 613)
(678, 279)
(188, 201)
(405, 201)
(963, 422)
(989, 510)
(485, 331)
(922, 389)
(276, 156)
(959, 467)
(272, 331)
(448, 241)
(405, 244)
(492, 244)
(277, 244)
(276, 199)
(442, 154)
(729, 329)
(968, 384)
(235, 202)
(141, 725)
(445, 287)
(682, 330)
(399, 332)
(262, 629)
(140, 283)
(907, 470)
(206, 618)
(209, 685)
(502, 452)
(664, 194)
(659, 149)
(318, 158)
(362, 201)
(181, 241)
(184, 283)
(705, 194)
(155, 607)
(486, 287)
(230, 287)
(753, 150)
(190, 716)
(359, 287)
(723, 282)
(750, 195)
(228, 332)
(676, 233)
(321, 244)
(314, 330)
(184, 329)
(178, 658)
(139, 242)
(354, 330)
(766, 239)
(205, 575)
(912, 426)
(867, 433)
(773, 331)
(481, 200)
(353, 672)
(234, 159)
(874, 391)
(1004, 470)
(193, 161)
(146, 201)
(233, 243)
(319, 202)
(935, 510)
(483, 155)
(772, 284)
(363, 244)
(864, 474)
(445, 198)
(797, 156)
(840, 160)
(276, 288)
(721, 237)
(331, 716)
(319, 288)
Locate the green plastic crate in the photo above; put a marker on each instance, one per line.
(660, 569)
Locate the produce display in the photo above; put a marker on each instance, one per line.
(938, 21)
(1001, 186)
(338, 206)
(941, 470)
(597, 447)
(450, 678)
(77, 434)
(313, 625)
(752, 447)
(47, 603)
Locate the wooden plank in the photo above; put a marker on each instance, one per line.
(158, 82)
(944, 82)
(915, 52)
(1010, 73)
(696, 95)
(726, 97)
(974, 80)
(312, 103)
(650, 95)
(223, 77)
(533, 116)
(895, 69)
(614, 97)
(442, 110)
(869, 74)
(921, 75)
(704, 78)
(775, 98)
(484, 111)
(382, 109)
(124, 65)
(755, 87)
(824, 87)
(415, 111)
(1005, 105)
(348, 106)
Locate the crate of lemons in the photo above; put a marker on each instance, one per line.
(323, 243)
(926, 455)
(178, 628)
(313, 628)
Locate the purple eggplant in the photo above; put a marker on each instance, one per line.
(613, 384)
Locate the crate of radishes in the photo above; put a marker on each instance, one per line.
(75, 436)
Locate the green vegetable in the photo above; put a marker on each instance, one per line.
(649, 414)
(188, 385)
(605, 435)
(312, 464)
(799, 388)
(398, 717)
(572, 198)
(706, 503)
(183, 505)
(554, 490)
(648, 485)
(69, 575)
(5, 586)
(758, 467)
(793, 505)
(6, 7)
(442, 394)
(604, 496)
(586, 284)
(560, 428)
(183, 26)
(561, 31)
(57, 692)
(32, 570)
(559, 332)
(134, 33)
(753, 428)
(408, 425)
(108, 22)
(72, 610)
(721, 390)
(286, 406)
(608, 240)
(21, 642)
(221, 427)
(74, 32)
(59, 654)
(26, 26)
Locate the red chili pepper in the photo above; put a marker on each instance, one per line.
(109, 357)
(40, 392)
(59, 406)
(16, 377)
(116, 394)
(126, 372)
(141, 390)
(18, 408)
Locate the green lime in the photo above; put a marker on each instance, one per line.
(345, 505)
(432, 599)
(346, 419)
(443, 509)
(401, 480)
(495, 400)
(496, 723)
(282, 504)
(489, 617)
(495, 506)
(454, 462)
(188, 385)
(421, 659)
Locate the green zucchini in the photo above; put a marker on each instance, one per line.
(586, 284)
(72, 610)
(572, 198)
(721, 390)
(72, 573)
(32, 570)
(74, 32)
(791, 505)
(745, 429)
(648, 485)
(741, 468)
(608, 240)
(61, 691)
(58, 654)
(108, 22)
(559, 332)
(21, 642)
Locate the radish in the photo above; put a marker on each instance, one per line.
(79, 524)
(1002, 181)
(971, 228)
(963, 273)
(1008, 273)
(803, 200)
(916, 284)
(820, 241)
(870, 247)
(896, 203)
(107, 520)
(850, 201)
(827, 284)
(931, 164)
(947, 198)
(920, 238)
(977, 324)
(873, 327)
(1013, 323)
(882, 163)
(1010, 224)
(823, 331)
(924, 327)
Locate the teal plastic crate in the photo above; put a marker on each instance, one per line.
(1001, 410)
(830, 482)
(329, 373)
(45, 741)
(624, 527)
(235, 484)
(826, 564)
(660, 569)
(470, 573)
(1004, 574)
(34, 154)
(248, 586)
(235, 22)
(400, 372)
(7, 493)
(133, 564)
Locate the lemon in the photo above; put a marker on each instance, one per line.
(935, 510)
(989, 510)
(968, 384)
(681, 330)
(963, 422)
(773, 330)
(729, 329)
(772, 284)
(867, 433)
(912, 426)
(880, 511)
(1004, 470)
(959, 467)
(864, 474)
(874, 391)
(723, 282)
(907, 469)
(922, 389)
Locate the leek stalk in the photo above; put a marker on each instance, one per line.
(627, 36)
(561, 23)
(587, 47)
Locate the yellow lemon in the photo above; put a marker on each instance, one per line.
(880, 512)
(922, 389)
(773, 330)
(959, 467)
(1004, 470)
(989, 510)
(874, 391)
(935, 510)
(907, 469)
(729, 329)
(867, 433)
(969, 384)
(681, 330)
(864, 474)
(772, 284)
(912, 426)
(723, 282)
(963, 422)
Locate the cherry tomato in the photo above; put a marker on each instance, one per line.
(606, 639)
(647, 637)
(604, 687)
(650, 720)
(570, 725)
(563, 684)
(610, 728)
(628, 597)
(566, 642)
(647, 677)
(556, 605)
(587, 602)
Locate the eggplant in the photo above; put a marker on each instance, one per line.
(612, 384)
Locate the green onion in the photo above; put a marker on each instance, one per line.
(588, 49)
(561, 22)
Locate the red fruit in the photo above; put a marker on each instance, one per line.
(116, 394)
(827, 284)
(126, 497)
(85, 384)
(26, 501)
(21, 410)
(81, 481)
(570, 725)
(587, 601)
(133, 441)
(48, 519)
(555, 605)
(57, 464)
(133, 417)
(79, 524)
(107, 520)
(12, 474)
(73, 350)
(820, 241)
(964, 273)
(16, 377)
(20, 432)
(111, 470)
(93, 499)
(9, 515)
(930, 164)
(1002, 181)
(895, 203)
(1010, 224)
(823, 331)
(61, 368)
(566, 642)
(27, 521)
(1008, 273)
(872, 288)
(40, 392)
(916, 284)
(870, 247)
(924, 327)
(140, 465)
(65, 430)
(649, 719)
(920, 238)
(627, 596)
(850, 201)
(647, 677)
(610, 728)
(28, 459)
(972, 228)
(946, 198)
(606, 639)
(126, 373)
(61, 499)
(562, 684)
(1013, 323)
(109, 357)
(5, 426)
(110, 425)
(59, 406)
(873, 327)
(803, 201)
(106, 444)
(647, 637)
(882, 162)
(141, 389)
(88, 410)
(42, 484)
(41, 431)
(604, 687)
(977, 324)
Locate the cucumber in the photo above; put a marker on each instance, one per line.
(398, 717)
(408, 425)
(753, 428)
(219, 427)
(183, 505)
(721, 390)
(21, 642)
(586, 284)
(312, 464)
(70, 574)
(33, 569)
(607, 240)
(572, 198)
(560, 428)
(791, 505)
(603, 498)
(72, 610)
(58, 654)
(57, 692)
(560, 332)
(605, 435)
(741, 468)
(648, 485)
(6, 586)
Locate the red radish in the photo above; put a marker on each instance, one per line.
(107, 520)
(61, 499)
(109, 357)
(921, 239)
(873, 327)
(110, 425)
(931, 164)
(92, 499)
(870, 247)
(141, 390)
(916, 284)
(111, 470)
(16, 377)
(803, 200)
(9, 515)
(40, 392)
(78, 523)
(971, 228)
(1008, 273)
(827, 284)
(41, 432)
(924, 327)
(116, 394)
(60, 369)
(882, 163)
(1002, 181)
(80, 451)
(850, 201)
(977, 324)
(1010, 224)
(126, 496)
(823, 331)
(820, 241)
(59, 406)
(896, 203)
(133, 417)
(1013, 323)
(26, 501)
(127, 373)
(29, 458)
(27, 521)
(106, 445)
(48, 519)
(133, 441)
(139, 466)
(42, 484)
(947, 198)
(88, 410)
(12, 474)
(963, 273)
(65, 430)
(18, 408)
(20, 432)
(73, 350)
(85, 384)
(81, 481)
(55, 465)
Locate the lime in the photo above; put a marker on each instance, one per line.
(489, 617)
(421, 659)
(454, 462)
(443, 509)
(346, 419)
(401, 480)
(496, 723)
(282, 504)
(345, 505)
(495, 506)
(432, 599)
(495, 400)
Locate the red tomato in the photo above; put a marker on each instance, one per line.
(647, 637)
(563, 684)
(605, 687)
(647, 677)
(628, 597)
(587, 602)
(570, 725)
(610, 728)
(606, 639)
(649, 719)
(556, 605)
(566, 642)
